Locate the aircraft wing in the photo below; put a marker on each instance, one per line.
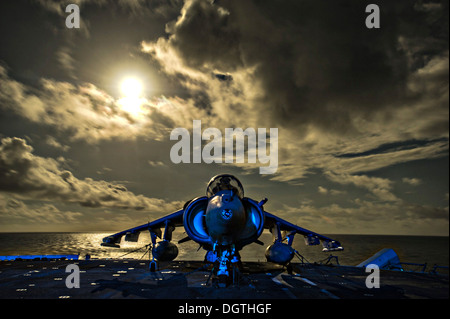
(168, 222)
(276, 225)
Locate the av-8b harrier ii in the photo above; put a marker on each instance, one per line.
(223, 222)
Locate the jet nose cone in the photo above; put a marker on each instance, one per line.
(226, 198)
(225, 218)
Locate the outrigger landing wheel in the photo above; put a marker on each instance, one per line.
(153, 266)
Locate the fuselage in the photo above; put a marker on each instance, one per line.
(225, 218)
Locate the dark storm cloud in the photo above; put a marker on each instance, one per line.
(223, 77)
(394, 147)
(40, 178)
(135, 7)
(316, 61)
(205, 35)
(314, 70)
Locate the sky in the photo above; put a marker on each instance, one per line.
(86, 113)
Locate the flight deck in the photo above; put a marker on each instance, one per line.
(131, 278)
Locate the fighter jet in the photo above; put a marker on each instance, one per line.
(223, 222)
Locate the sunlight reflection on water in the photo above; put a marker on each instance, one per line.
(419, 249)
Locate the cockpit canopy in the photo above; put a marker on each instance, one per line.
(224, 182)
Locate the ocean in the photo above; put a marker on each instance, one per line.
(357, 248)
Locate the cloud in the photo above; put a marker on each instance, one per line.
(325, 191)
(330, 85)
(155, 163)
(16, 211)
(306, 76)
(219, 42)
(51, 141)
(380, 187)
(87, 113)
(66, 61)
(412, 181)
(34, 177)
(370, 217)
(132, 6)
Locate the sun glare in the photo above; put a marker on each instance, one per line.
(132, 100)
(131, 87)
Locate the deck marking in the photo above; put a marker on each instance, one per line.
(329, 294)
(279, 280)
(306, 280)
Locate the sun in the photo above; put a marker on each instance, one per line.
(132, 100)
(131, 87)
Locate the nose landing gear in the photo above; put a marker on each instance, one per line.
(226, 263)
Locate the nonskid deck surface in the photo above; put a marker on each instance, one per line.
(109, 279)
